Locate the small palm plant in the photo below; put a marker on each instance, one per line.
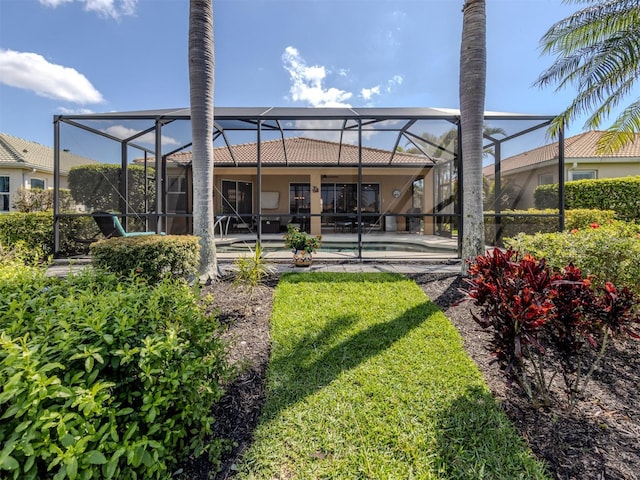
(250, 271)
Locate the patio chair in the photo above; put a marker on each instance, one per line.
(110, 226)
(222, 222)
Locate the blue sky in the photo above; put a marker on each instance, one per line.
(77, 56)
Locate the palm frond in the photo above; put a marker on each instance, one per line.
(591, 25)
(598, 53)
(622, 132)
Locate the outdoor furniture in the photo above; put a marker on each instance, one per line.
(240, 224)
(110, 226)
(270, 225)
(413, 222)
(222, 222)
(343, 225)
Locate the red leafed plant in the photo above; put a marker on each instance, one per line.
(510, 292)
(535, 314)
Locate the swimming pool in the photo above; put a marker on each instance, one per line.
(329, 246)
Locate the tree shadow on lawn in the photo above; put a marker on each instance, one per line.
(476, 440)
(307, 367)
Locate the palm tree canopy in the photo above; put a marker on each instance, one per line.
(597, 51)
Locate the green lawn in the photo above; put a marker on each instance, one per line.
(368, 379)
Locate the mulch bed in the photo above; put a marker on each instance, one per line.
(599, 439)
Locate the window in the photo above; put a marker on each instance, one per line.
(343, 198)
(545, 179)
(582, 175)
(237, 197)
(4, 194)
(299, 198)
(417, 193)
(37, 183)
(177, 193)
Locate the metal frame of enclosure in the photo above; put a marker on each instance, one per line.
(405, 161)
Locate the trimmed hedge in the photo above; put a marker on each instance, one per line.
(514, 222)
(103, 378)
(152, 257)
(96, 186)
(33, 232)
(621, 195)
(609, 251)
(584, 217)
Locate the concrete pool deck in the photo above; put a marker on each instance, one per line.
(62, 267)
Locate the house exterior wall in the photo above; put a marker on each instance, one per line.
(529, 179)
(278, 180)
(604, 168)
(21, 178)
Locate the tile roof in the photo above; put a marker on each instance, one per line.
(579, 146)
(16, 152)
(307, 152)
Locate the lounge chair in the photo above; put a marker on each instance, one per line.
(110, 226)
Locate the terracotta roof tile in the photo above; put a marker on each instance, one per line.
(301, 151)
(579, 146)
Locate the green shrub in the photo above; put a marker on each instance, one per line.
(96, 186)
(104, 379)
(584, 217)
(33, 230)
(76, 234)
(38, 200)
(546, 196)
(610, 252)
(619, 194)
(514, 222)
(152, 257)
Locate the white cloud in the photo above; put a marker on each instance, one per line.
(396, 80)
(54, 3)
(307, 83)
(330, 131)
(31, 71)
(122, 132)
(74, 111)
(105, 8)
(367, 93)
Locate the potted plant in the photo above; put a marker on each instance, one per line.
(302, 244)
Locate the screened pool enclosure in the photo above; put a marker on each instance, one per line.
(376, 183)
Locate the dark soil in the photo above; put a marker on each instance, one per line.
(599, 439)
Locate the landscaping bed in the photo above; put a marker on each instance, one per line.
(599, 440)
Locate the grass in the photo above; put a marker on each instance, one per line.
(368, 379)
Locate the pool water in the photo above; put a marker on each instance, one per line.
(337, 247)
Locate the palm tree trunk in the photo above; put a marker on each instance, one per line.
(473, 70)
(201, 82)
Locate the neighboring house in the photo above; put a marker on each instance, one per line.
(524, 172)
(26, 164)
